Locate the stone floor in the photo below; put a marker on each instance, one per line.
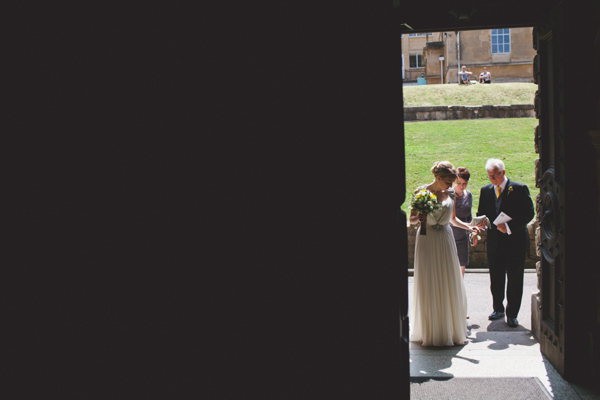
(494, 349)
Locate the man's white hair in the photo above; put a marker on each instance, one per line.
(493, 163)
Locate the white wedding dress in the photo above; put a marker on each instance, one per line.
(439, 306)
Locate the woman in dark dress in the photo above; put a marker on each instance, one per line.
(463, 202)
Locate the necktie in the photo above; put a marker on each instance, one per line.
(498, 191)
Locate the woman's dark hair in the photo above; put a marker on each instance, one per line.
(463, 173)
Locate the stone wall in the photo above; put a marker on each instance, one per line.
(433, 113)
(477, 254)
(501, 72)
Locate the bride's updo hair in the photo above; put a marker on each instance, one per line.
(444, 169)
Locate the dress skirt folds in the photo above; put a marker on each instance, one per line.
(439, 306)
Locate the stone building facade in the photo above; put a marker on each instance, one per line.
(413, 55)
(507, 53)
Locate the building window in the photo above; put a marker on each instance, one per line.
(500, 41)
(420, 34)
(416, 61)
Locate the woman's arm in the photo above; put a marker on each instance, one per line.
(416, 217)
(458, 223)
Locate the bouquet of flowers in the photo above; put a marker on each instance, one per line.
(424, 202)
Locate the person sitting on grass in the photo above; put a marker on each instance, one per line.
(485, 76)
(465, 76)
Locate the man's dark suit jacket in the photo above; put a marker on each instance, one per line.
(517, 204)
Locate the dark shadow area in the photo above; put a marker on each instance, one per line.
(503, 342)
(204, 201)
(500, 325)
(422, 379)
(426, 366)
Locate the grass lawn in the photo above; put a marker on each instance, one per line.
(469, 143)
(469, 95)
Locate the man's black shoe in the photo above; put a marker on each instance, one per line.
(496, 315)
(512, 322)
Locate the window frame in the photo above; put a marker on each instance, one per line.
(504, 37)
(418, 57)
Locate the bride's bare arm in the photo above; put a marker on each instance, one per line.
(415, 217)
(457, 222)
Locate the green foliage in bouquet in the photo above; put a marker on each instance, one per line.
(424, 202)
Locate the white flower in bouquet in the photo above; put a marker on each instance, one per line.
(424, 202)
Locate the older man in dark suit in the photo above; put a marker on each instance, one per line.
(507, 243)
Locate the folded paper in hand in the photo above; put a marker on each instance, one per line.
(502, 219)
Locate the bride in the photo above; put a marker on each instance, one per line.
(439, 307)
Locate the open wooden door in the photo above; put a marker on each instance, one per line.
(550, 203)
(568, 302)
